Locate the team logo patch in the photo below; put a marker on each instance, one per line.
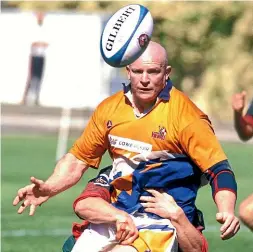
(109, 124)
(160, 134)
(143, 40)
(102, 180)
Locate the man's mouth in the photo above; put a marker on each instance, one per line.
(145, 89)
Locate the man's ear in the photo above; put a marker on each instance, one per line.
(128, 72)
(167, 72)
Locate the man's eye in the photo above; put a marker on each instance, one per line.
(154, 72)
(137, 71)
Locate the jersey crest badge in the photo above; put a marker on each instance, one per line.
(160, 134)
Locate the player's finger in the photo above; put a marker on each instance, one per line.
(231, 230)
(125, 232)
(227, 224)
(220, 218)
(151, 210)
(22, 192)
(237, 228)
(32, 210)
(16, 201)
(243, 93)
(36, 181)
(24, 205)
(148, 198)
(148, 205)
(119, 230)
(20, 196)
(132, 236)
(129, 234)
(155, 193)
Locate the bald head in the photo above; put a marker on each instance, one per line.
(154, 53)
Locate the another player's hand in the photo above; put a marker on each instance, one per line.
(161, 204)
(126, 230)
(32, 195)
(231, 224)
(238, 102)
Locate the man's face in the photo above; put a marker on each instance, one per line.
(148, 78)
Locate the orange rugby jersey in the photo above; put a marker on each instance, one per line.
(174, 124)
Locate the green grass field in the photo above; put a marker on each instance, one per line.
(23, 157)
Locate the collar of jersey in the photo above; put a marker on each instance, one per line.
(164, 94)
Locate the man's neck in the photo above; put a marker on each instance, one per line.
(143, 107)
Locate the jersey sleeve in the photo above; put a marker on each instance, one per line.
(201, 145)
(250, 109)
(92, 144)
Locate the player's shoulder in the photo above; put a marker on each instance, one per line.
(179, 98)
(111, 102)
(183, 104)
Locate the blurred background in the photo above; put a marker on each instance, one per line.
(52, 77)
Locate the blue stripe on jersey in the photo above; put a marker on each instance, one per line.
(161, 227)
(250, 109)
(179, 177)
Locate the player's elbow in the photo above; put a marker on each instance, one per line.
(244, 137)
(82, 208)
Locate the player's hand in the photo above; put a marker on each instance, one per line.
(161, 204)
(126, 230)
(231, 224)
(238, 102)
(32, 195)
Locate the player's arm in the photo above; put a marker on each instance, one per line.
(242, 126)
(162, 204)
(189, 238)
(94, 206)
(67, 173)
(200, 143)
(246, 212)
(87, 151)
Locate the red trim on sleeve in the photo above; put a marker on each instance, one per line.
(248, 119)
(92, 190)
(78, 228)
(204, 247)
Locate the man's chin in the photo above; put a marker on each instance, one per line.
(145, 98)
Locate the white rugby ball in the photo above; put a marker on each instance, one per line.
(126, 35)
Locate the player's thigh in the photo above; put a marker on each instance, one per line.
(122, 248)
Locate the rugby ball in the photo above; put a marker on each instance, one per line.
(126, 35)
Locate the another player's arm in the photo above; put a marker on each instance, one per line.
(164, 205)
(189, 238)
(243, 124)
(97, 210)
(243, 128)
(94, 206)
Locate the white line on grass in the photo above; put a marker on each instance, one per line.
(67, 232)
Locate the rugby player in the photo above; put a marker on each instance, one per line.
(244, 127)
(146, 127)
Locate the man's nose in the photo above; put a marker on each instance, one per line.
(144, 78)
